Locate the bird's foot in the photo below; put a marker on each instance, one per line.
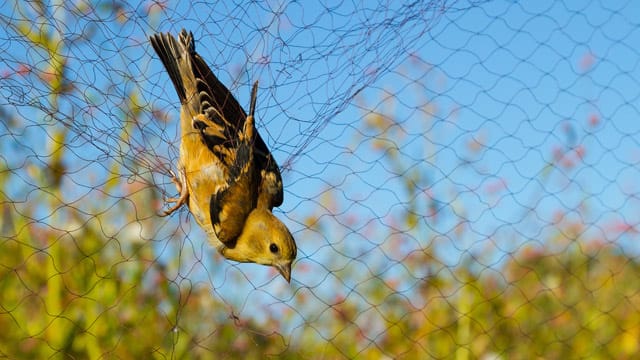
(182, 189)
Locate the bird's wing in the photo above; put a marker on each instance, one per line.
(230, 206)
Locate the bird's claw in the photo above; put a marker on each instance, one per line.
(182, 190)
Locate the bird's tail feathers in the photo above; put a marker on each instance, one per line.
(171, 52)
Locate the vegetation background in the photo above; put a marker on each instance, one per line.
(461, 178)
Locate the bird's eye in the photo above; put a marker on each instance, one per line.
(273, 248)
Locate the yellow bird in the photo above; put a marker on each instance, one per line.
(226, 174)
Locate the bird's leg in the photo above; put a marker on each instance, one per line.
(181, 186)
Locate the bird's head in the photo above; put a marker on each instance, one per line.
(264, 240)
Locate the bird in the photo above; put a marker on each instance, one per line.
(226, 174)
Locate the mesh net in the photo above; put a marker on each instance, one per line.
(459, 177)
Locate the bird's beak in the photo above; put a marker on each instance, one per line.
(285, 271)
